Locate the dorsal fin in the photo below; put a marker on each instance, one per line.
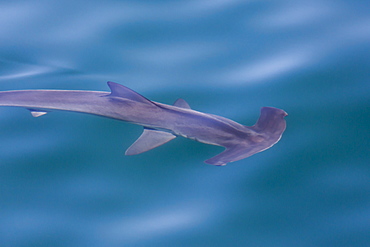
(148, 140)
(118, 90)
(181, 103)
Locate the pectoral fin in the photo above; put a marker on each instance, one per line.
(148, 140)
(225, 157)
(235, 153)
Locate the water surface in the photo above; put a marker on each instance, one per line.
(66, 182)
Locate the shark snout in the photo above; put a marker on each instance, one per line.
(271, 121)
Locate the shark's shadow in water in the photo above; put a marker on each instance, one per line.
(161, 122)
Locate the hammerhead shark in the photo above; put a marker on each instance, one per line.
(161, 122)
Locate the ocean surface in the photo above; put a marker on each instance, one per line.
(64, 178)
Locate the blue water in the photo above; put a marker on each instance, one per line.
(66, 182)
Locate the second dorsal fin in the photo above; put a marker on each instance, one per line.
(118, 90)
(181, 103)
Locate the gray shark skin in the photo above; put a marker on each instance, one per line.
(161, 122)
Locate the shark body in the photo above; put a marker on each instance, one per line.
(161, 122)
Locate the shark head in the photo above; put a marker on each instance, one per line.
(265, 133)
(271, 122)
